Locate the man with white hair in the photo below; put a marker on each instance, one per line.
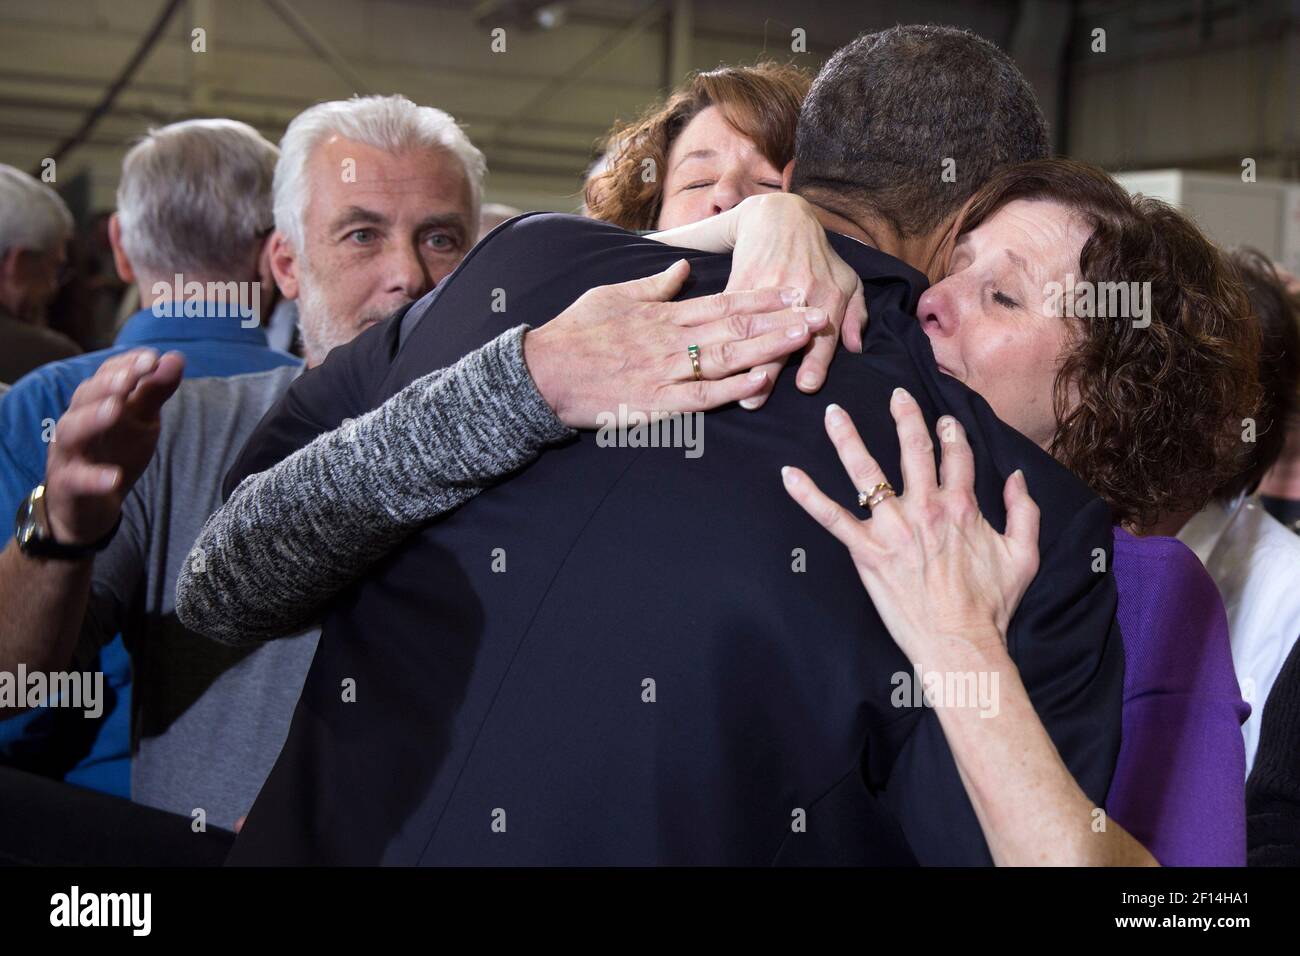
(193, 214)
(34, 228)
(376, 200)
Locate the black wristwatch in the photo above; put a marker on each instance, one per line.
(32, 532)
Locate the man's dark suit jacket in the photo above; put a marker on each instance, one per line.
(505, 716)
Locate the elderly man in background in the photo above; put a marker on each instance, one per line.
(351, 263)
(376, 199)
(193, 214)
(494, 214)
(34, 227)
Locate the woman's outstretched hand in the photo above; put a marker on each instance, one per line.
(627, 344)
(939, 575)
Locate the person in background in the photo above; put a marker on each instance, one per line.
(348, 266)
(1279, 491)
(493, 215)
(1252, 557)
(718, 138)
(208, 723)
(35, 227)
(1273, 789)
(194, 202)
(85, 309)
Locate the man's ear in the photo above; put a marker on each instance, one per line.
(787, 176)
(282, 261)
(120, 262)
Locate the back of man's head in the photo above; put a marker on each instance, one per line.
(195, 199)
(903, 126)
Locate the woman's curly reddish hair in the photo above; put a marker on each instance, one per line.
(760, 101)
(1150, 417)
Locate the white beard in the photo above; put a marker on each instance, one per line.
(322, 330)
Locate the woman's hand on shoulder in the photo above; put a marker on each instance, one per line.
(941, 578)
(629, 345)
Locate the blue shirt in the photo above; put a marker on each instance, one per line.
(61, 742)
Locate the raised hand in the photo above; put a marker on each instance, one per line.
(104, 440)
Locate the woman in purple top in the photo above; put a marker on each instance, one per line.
(1175, 787)
(1145, 406)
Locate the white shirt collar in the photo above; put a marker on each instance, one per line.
(1205, 529)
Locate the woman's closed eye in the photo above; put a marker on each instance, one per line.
(1004, 300)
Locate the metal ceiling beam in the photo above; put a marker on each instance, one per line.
(319, 45)
(654, 10)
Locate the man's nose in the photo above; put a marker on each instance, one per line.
(408, 273)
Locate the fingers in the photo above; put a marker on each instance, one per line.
(771, 370)
(957, 462)
(78, 427)
(861, 468)
(709, 308)
(158, 385)
(704, 395)
(855, 320)
(1022, 513)
(916, 450)
(739, 326)
(718, 361)
(816, 361)
(659, 287)
(831, 515)
(116, 376)
(739, 337)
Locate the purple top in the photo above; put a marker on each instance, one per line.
(1179, 784)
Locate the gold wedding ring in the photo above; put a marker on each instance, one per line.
(869, 499)
(694, 352)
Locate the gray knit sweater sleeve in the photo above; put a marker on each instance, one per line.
(288, 539)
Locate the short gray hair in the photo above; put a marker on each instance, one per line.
(391, 123)
(195, 197)
(32, 215)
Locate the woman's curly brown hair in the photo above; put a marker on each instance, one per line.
(1152, 418)
(760, 101)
